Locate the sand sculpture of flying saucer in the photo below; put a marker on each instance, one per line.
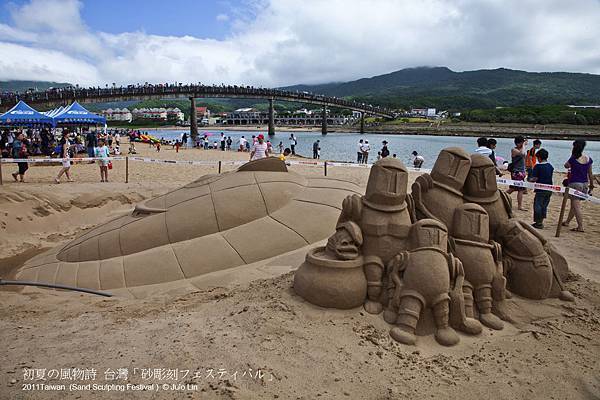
(447, 249)
(217, 222)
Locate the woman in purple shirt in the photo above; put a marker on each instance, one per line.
(580, 179)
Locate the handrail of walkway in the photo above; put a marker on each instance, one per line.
(107, 94)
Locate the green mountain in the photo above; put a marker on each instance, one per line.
(22, 86)
(443, 88)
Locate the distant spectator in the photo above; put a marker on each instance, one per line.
(91, 141)
(359, 151)
(20, 151)
(517, 169)
(483, 148)
(102, 152)
(316, 149)
(541, 173)
(260, 149)
(384, 150)
(581, 178)
(65, 156)
(365, 148)
(491, 144)
(530, 158)
(285, 154)
(417, 160)
(293, 144)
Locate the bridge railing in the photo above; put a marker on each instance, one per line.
(76, 93)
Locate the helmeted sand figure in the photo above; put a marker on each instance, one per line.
(443, 258)
(217, 222)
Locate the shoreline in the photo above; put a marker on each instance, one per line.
(557, 132)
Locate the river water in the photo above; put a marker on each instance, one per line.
(339, 146)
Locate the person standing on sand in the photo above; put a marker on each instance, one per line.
(581, 178)
(19, 150)
(293, 143)
(91, 143)
(102, 152)
(260, 149)
(517, 169)
(417, 160)
(483, 148)
(541, 173)
(384, 150)
(365, 148)
(530, 159)
(64, 155)
(491, 144)
(316, 149)
(242, 143)
(359, 152)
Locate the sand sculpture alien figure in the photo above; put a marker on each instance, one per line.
(454, 252)
(406, 266)
(533, 268)
(215, 223)
(482, 262)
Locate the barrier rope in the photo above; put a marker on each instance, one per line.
(312, 163)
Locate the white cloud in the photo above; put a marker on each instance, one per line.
(287, 42)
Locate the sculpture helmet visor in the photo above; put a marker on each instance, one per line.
(429, 233)
(471, 222)
(451, 168)
(386, 188)
(480, 185)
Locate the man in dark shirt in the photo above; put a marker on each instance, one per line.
(92, 143)
(541, 173)
(384, 150)
(316, 149)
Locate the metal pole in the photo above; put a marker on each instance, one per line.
(271, 118)
(325, 167)
(562, 211)
(362, 122)
(126, 169)
(54, 286)
(1, 172)
(219, 166)
(193, 120)
(324, 121)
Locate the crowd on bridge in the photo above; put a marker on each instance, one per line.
(59, 94)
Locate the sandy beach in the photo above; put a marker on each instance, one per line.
(244, 333)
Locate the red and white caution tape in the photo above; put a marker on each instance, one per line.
(311, 163)
(57, 160)
(550, 188)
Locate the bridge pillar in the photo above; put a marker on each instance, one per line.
(362, 122)
(271, 118)
(324, 121)
(193, 120)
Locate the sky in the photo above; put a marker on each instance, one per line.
(283, 42)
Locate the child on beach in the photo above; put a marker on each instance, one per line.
(103, 153)
(541, 173)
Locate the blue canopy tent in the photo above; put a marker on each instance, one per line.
(54, 112)
(77, 115)
(21, 114)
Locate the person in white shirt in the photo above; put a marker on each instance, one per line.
(260, 149)
(359, 151)
(483, 148)
(365, 148)
(242, 143)
(417, 160)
